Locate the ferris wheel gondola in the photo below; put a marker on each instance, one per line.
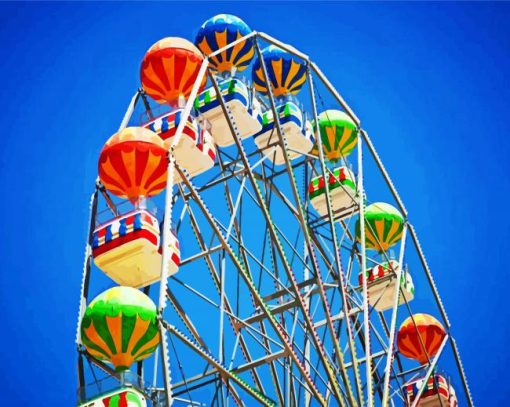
(242, 106)
(195, 151)
(438, 392)
(286, 75)
(382, 284)
(342, 187)
(128, 249)
(294, 125)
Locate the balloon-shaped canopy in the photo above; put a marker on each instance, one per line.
(416, 342)
(120, 326)
(383, 226)
(338, 135)
(218, 32)
(286, 72)
(133, 164)
(170, 68)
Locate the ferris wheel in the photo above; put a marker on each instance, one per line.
(247, 246)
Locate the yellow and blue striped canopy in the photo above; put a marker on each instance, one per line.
(219, 31)
(286, 72)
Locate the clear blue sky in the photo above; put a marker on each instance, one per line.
(429, 81)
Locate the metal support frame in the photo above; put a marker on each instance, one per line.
(275, 238)
(216, 281)
(304, 226)
(223, 370)
(245, 260)
(293, 308)
(393, 324)
(85, 284)
(258, 298)
(366, 317)
(338, 263)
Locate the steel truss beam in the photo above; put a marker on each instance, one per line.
(276, 326)
(224, 372)
(215, 276)
(243, 252)
(274, 236)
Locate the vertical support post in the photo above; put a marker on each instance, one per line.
(155, 368)
(338, 262)
(167, 224)
(286, 362)
(85, 287)
(306, 277)
(85, 282)
(366, 314)
(87, 262)
(393, 323)
(221, 356)
(164, 276)
(140, 364)
(223, 271)
(165, 365)
(81, 379)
